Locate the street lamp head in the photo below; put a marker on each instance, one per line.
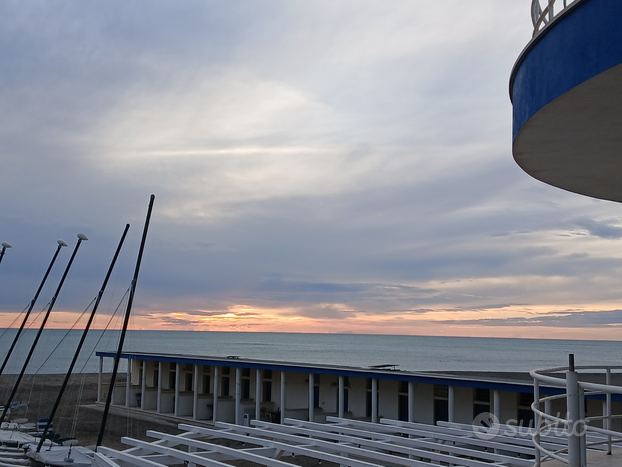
(81, 236)
(6, 245)
(61, 242)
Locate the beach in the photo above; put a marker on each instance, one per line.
(79, 415)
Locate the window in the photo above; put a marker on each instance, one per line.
(267, 391)
(225, 386)
(206, 384)
(441, 403)
(246, 389)
(481, 401)
(267, 374)
(189, 381)
(525, 414)
(246, 372)
(156, 377)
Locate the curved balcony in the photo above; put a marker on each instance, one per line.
(583, 435)
(566, 91)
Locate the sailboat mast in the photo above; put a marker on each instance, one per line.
(81, 237)
(86, 330)
(5, 245)
(32, 304)
(125, 324)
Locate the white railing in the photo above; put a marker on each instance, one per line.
(541, 17)
(575, 431)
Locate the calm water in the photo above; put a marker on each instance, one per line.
(423, 353)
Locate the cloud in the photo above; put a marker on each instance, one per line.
(570, 319)
(344, 162)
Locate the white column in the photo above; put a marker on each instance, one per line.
(257, 394)
(99, 379)
(238, 396)
(374, 400)
(127, 383)
(159, 401)
(341, 401)
(311, 411)
(411, 401)
(282, 397)
(572, 404)
(452, 404)
(607, 413)
(496, 404)
(195, 396)
(143, 385)
(177, 371)
(216, 388)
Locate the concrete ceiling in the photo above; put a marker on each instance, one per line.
(575, 141)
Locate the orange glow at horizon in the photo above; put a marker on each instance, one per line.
(441, 322)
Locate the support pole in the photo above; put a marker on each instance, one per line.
(311, 398)
(128, 381)
(340, 397)
(195, 393)
(238, 396)
(99, 379)
(143, 386)
(374, 400)
(159, 401)
(177, 380)
(538, 422)
(452, 404)
(608, 413)
(283, 400)
(216, 389)
(411, 402)
(258, 394)
(496, 404)
(572, 402)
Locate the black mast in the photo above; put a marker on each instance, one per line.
(81, 237)
(5, 245)
(125, 323)
(32, 304)
(86, 330)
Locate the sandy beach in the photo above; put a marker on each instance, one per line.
(80, 416)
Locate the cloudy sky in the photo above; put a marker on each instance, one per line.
(324, 166)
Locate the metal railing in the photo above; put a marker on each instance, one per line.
(541, 17)
(575, 431)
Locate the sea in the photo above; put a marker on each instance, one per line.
(56, 348)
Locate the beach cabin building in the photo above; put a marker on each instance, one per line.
(237, 390)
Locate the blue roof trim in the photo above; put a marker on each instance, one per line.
(582, 43)
(353, 373)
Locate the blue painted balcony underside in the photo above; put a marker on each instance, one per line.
(583, 43)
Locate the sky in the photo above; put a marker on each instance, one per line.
(328, 166)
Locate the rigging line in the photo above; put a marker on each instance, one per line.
(64, 337)
(72, 433)
(86, 361)
(10, 326)
(122, 302)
